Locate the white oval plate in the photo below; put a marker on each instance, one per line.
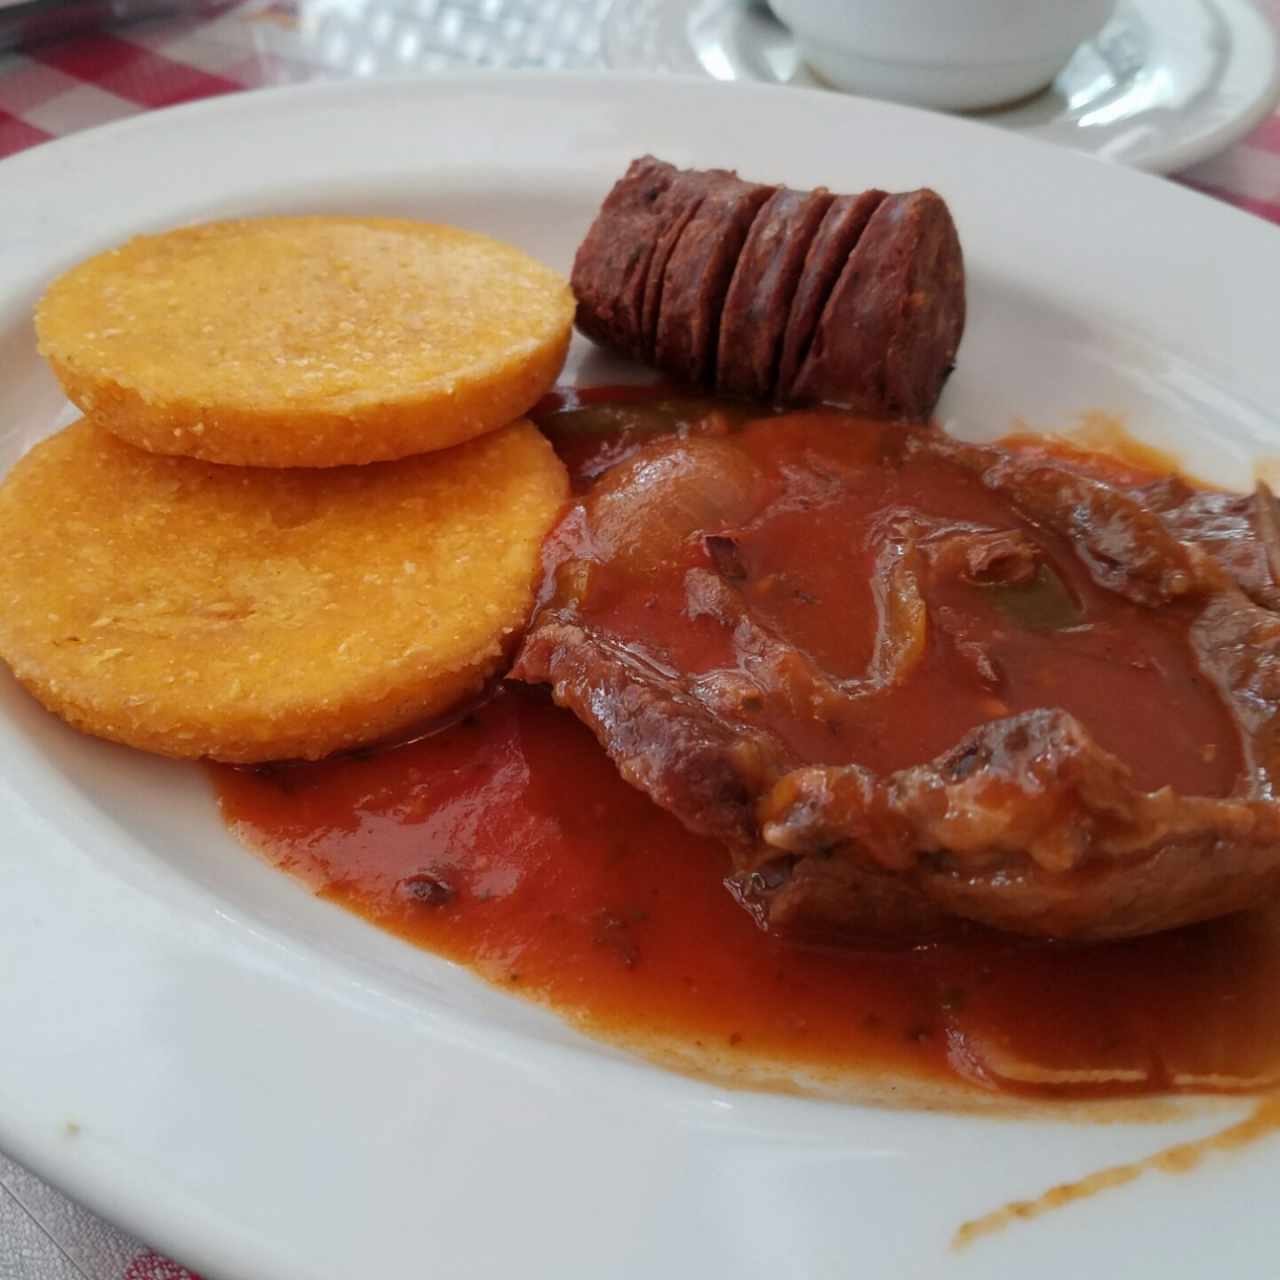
(272, 1089)
(1165, 84)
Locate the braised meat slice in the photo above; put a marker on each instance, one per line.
(906, 680)
(1032, 828)
(1241, 530)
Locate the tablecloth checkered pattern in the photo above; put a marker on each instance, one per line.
(45, 1236)
(97, 77)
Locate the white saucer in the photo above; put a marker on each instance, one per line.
(1165, 84)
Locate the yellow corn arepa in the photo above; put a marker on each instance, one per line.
(248, 614)
(306, 341)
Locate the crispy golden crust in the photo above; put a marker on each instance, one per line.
(307, 341)
(246, 614)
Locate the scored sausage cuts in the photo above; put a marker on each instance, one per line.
(698, 274)
(612, 266)
(898, 304)
(824, 260)
(754, 320)
(799, 297)
(679, 203)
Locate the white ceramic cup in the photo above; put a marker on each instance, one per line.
(957, 55)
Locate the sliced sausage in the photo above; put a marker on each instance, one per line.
(827, 255)
(698, 275)
(758, 302)
(798, 297)
(887, 337)
(612, 264)
(679, 204)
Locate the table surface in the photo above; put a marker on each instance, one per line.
(94, 77)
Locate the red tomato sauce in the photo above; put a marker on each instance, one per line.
(812, 564)
(506, 840)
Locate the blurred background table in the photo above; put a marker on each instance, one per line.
(91, 76)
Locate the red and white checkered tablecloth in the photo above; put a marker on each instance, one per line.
(92, 78)
(96, 77)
